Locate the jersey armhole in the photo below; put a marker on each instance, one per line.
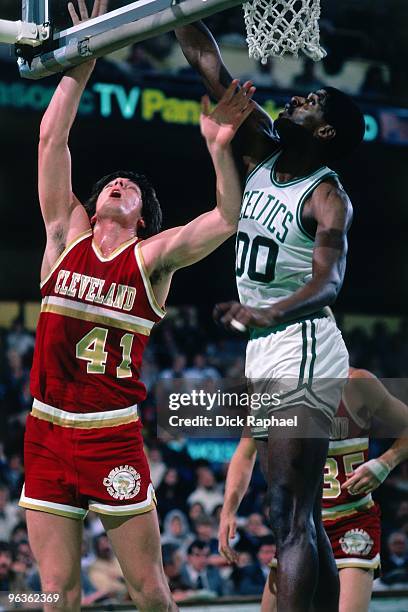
(303, 199)
(158, 310)
(64, 253)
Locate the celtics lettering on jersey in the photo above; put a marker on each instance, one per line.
(273, 250)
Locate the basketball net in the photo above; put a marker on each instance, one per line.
(277, 27)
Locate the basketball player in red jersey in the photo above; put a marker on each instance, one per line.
(102, 291)
(351, 517)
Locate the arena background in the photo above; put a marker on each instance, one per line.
(141, 112)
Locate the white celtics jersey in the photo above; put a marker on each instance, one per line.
(273, 250)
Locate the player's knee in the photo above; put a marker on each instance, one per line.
(288, 520)
(67, 588)
(152, 596)
(69, 598)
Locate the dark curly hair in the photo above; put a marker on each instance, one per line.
(151, 210)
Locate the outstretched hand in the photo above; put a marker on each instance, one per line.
(220, 126)
(99, 8)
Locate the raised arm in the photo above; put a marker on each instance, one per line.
(332, 212)
(255, 140)
(182, 246)
(64, 216)
(238, 479)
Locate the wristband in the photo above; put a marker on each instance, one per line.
(378, 468)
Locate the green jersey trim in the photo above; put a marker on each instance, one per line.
(303, 199)
(262, 332)
(259, 166)
(293, 181)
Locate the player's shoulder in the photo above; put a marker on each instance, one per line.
(330, 194)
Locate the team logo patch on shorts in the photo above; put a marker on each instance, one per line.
(356, 542)
(123, 482)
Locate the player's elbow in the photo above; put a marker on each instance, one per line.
(51, 135)
(332, 291)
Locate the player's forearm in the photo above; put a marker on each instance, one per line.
(61, 112)
(202, 53)
(238, 479)
(396, 454)
(310, 298)
(228, 184)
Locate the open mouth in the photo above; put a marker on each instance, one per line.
(115, 193)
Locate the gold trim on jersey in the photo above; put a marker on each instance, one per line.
(342, 510)
(342, 447)
(357, 562)
(114, 253)
(51, 507)
(129, 509)
(96, 314)
(342, 563)
(147, 284)
(87, 420)
(64, 253)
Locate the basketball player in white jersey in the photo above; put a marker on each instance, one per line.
(291, 256)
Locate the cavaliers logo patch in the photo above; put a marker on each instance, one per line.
(356, 542)
(123, 482)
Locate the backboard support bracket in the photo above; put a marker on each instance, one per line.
(148, 19)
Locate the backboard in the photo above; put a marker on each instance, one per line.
(125, 22)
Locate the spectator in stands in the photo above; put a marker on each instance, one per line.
(10, 580)
(401, 517)
(172, 564)
(253, 577)
(19, 339)
(9, 514)
(205, 532)
(172, 493)
(396, 554)
(19, 533)
(252, 534)
(23, 559)
(157, 466)
(14, 474)
(201, 370)
(105, 573)
(176, 530)
(207, 492)
(197, 573)
(195, 511)
(177, 370)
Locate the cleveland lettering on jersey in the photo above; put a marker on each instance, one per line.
(90, 289)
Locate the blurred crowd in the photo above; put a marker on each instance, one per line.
(189, 488)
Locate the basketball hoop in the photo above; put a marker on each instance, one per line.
(277, 27)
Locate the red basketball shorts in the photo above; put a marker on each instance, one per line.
(80, 462)
(356, 539)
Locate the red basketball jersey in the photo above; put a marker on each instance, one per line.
(347, 450)
(95, 321)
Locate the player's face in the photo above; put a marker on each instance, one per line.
(121, 199)
(307, 112)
